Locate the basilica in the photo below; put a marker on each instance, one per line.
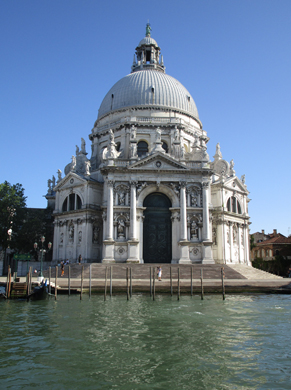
(148, 192)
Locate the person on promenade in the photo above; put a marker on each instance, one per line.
(62, 268)
(80, 259)
(159, 274)
(289, 272)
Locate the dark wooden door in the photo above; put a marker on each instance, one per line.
(157, 229)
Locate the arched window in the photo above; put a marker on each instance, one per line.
(142, 148)
(72, 202)
(233, 205)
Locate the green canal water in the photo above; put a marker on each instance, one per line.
(240, 343)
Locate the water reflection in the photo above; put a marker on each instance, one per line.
(239, 343)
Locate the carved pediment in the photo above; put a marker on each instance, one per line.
(234, 184)
(158, 161)
(69, 181)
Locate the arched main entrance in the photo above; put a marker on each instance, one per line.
(157, 229)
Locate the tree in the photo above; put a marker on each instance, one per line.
(12, 212)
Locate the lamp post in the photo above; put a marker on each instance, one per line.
(42, 250)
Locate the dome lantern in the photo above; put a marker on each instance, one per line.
(148, 54)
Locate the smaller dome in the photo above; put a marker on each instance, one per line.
(148, 41)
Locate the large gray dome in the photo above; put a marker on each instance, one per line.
(148, 88)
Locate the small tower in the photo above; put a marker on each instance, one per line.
(147, 54)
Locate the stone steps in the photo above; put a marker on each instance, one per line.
(142, 271)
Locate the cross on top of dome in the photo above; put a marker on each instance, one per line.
(147, 55)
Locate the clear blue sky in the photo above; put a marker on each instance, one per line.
(59, 58)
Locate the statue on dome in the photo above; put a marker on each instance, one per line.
(133, 150)
(133, 132)
(83, 146)
(243, 179)
(77, 150)
(158, 135)
(87, 167)
(148, 30)
(73, 164)
(59, 175)
(49, 184)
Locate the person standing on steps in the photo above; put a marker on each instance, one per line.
(160, 274)
(62, 268)
(80, 259)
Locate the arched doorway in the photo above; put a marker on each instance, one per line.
(157, 229)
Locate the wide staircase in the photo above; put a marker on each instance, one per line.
(142, 271)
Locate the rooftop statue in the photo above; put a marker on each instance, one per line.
(83, 146)
(148, 30)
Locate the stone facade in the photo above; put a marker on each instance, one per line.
(149, 186)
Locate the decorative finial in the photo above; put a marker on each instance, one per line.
(148, 30)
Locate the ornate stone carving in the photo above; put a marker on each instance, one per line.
(214, 235)
(80, 236)
(87, 168)
(196, 251)
(231, 168)
(83, 146)
(175, 216)
(71, 232)
(61, 238)
(140, 187)
(121, 194)
(59, 175)
(73, 164)
(234, 234)
(194, 230)
(175, 188)
(120, 228)
(96, 230)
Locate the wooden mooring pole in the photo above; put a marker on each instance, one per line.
(178, 296)
(127, 284)
(105, 287)
(7, 282)
(154, 285)
(82, 279)
(69, 281)
(222, 283)
(191, 289)
(171, 281)
(111, 271)
(90, 280)
(30, 280)
(56, 283)
(50, 277)
(201, 278)
(130, 273)
(151, 289)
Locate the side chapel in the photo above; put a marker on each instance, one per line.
(149, 192)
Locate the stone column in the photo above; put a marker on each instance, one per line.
(133, 253)
(133, 232)
(246, 244)
(184, 243)
(230, 242)
(109, 242)
(110, 210)
(239, 242)
(205, 198)
(183, 211)
(56, 240)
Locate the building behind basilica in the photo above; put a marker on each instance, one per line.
(149, 192)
